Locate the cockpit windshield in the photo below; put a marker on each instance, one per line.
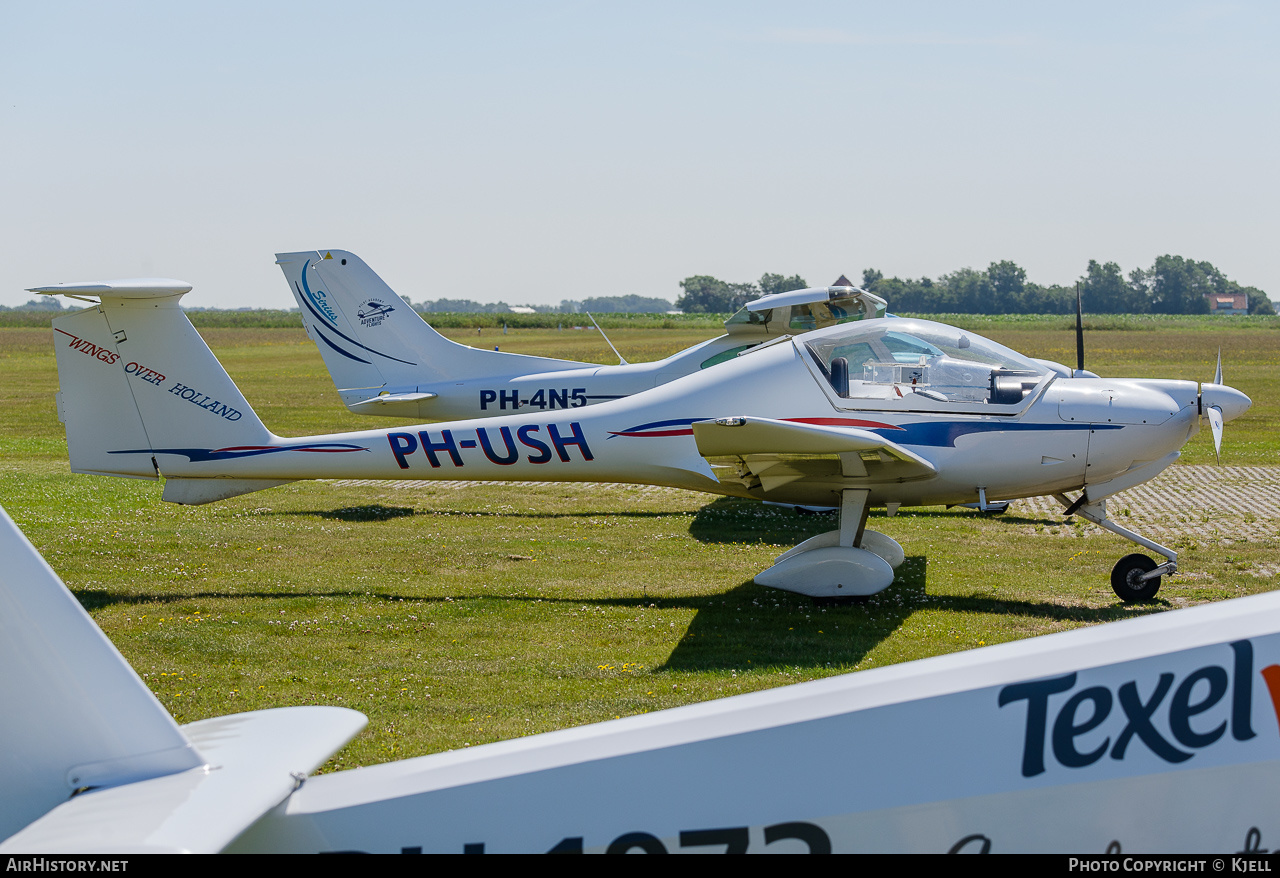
(890, 359)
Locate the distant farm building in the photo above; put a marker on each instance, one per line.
(1230, 304)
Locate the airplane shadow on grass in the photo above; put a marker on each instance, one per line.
(746, 627)
(726, 519)
(368, 512)
(751, 627)
(754, 627)
(735, 520)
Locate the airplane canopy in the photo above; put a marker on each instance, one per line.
(887, 358)
(799, 311)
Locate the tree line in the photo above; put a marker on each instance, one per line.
(1173, 285)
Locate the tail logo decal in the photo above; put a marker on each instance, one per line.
(330, 319)
(151, 376)
(372, 312)
(319, 300)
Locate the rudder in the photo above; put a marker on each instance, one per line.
(95, 402)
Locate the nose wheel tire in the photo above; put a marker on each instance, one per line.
(1126, 579)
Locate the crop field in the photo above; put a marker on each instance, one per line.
(456, 614)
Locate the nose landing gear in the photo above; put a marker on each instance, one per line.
(1136, 577)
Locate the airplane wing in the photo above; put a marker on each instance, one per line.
(92, 762)
(771, 453)
(255, 761)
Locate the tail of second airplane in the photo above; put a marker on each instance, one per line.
(372, 340)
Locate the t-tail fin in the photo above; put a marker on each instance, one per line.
(368, 336)
(371, 339)
(136, 378)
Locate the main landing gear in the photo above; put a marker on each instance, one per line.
(1136, 577)
(846, 563)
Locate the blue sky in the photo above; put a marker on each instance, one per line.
(537, 152)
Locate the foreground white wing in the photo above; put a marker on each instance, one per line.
(1155, 734)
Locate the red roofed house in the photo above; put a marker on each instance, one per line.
(1220, 303)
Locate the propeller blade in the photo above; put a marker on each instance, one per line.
(1080, 332)
(1217, 376)
(1215, 422)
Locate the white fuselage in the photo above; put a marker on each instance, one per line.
(542, 390)
(1064, 436)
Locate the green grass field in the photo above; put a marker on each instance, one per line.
(457, 616)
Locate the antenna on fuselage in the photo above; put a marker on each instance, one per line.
(622, 361)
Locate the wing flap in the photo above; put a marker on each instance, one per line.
(762, 444)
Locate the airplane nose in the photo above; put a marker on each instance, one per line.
(1231, 402)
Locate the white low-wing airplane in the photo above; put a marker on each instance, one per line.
(385, 360)
(882, 413)
(1155, 735)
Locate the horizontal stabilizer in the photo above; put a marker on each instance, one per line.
(391, 399)
(129, 288)
(255, 761)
